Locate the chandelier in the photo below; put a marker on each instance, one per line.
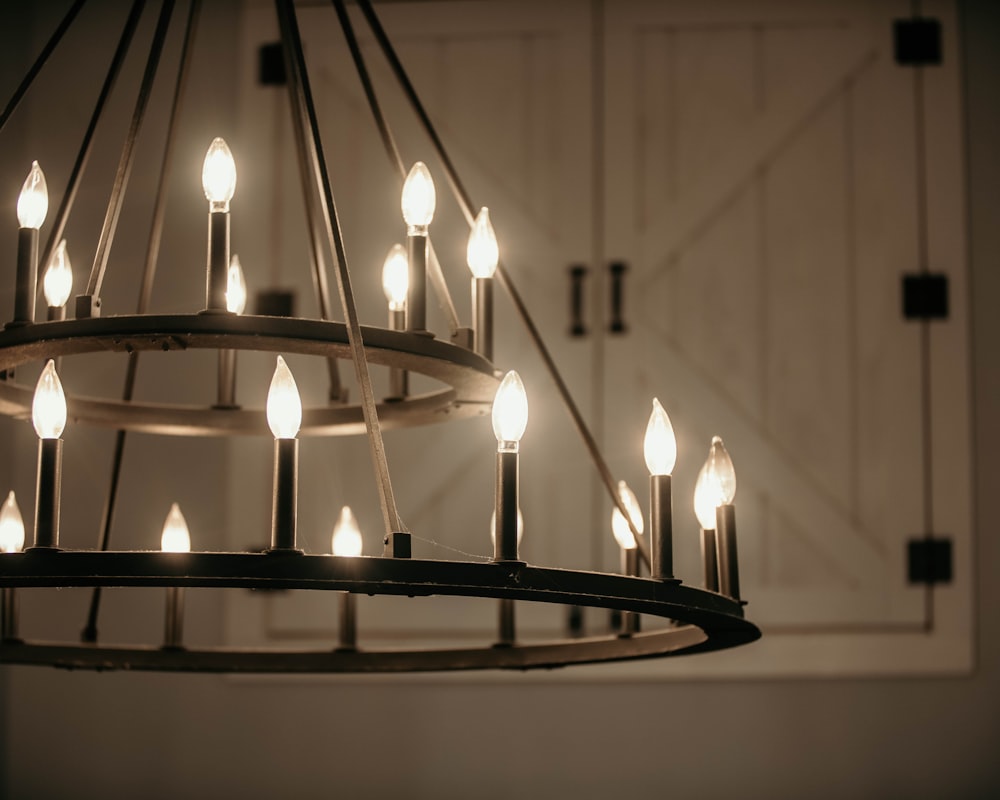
(467, 385)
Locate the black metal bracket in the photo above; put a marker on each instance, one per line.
(929, 560)
(271, 65)
(917, 42)
(617, 270)
(925, 296)
(397, 545)
(577, 276)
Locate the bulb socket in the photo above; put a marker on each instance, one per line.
(661, 528)
(416, 294)
(505, 545)
(26, 281)
(725, 543)
(217, 279)
(48, 491)
(284, 509)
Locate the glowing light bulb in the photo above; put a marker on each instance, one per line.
(493, 527)
(660, 445)
(33, 202)
(284, 407)
(58, 281)
(175, 537)
(706, 498)
(419, 197)
(236, 287)
(11, 526)
(510, 410)
(218, 175)
(619, 525)
(396, 277)
(482, 253)
(721, 472)
(346, 539)
(48, 409)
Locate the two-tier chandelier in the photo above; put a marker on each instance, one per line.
(469, 385)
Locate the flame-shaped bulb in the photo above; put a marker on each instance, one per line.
(58, 280)
(236, 287)
(396, 277)
(706, 499)
(346, 539)
(48, 409)
(510, 410)
(419, 197)
(284, 406)
(619, 525)
(660, 444)
(482, 252)
(175, 537)
(720, 470)
(33, 202)
(218, 175)
(11, 526)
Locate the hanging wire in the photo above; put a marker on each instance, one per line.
(83, 156)
(469, 209)
(100, 266)
(303, 104)
(434, 272)
(89, 633)
(50, 46)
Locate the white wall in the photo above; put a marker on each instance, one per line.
(118, 735)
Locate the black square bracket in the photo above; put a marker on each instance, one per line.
(917, 42)
(271, 65)
(929, 560)
(925, 296)
(397, 545)
(276, 303)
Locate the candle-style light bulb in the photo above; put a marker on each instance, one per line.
(218, 175)
(48, 409)
(175, 537)
(510, 410)
(493, 527)
(619, 525)
(660, 444)
(33, 202)
(284, 406)
(58, 281)
(11, 526)
(419, 197)
(236, 287)
(482, 252)
(720, 468)
(396, 277)
(706, 498)
(346, 539)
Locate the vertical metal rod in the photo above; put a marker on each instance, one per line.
(26, 280)
(482, 310)
(505, 541)
(8, 614)
(630, 566)
(48, 490)
(226, 394)
(347, 634)
(173, 624)
(128, 152)
(416, 298)
(217, 273)
(66, 205)
(303, 105)
(284, 507)
(709, 560)
(469, 210)
(32, 73)
(506, 622)
(399, 379)
(725, 542)
(89, 633)
(661, 528)
(434, 272)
